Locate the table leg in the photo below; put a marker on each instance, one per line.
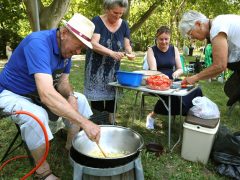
(169, 122)
(134, 107)
(169, 119)
(115, 105)
(181, 109)
(180, 130)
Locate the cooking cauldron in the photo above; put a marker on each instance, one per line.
(115, 139)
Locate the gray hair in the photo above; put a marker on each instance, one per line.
(109, 4)
(188, 21)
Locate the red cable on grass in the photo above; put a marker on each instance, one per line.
(14, 158)
(47, 146)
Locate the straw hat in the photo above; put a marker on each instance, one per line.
(81, 27)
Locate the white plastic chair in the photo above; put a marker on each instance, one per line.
(145, 63)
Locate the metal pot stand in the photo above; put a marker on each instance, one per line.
(79, 170)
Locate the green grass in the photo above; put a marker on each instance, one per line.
(167, 166)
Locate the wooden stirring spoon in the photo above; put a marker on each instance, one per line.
(104, 154)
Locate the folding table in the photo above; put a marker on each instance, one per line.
(168, 93)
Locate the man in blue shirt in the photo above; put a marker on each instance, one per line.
(36, 79)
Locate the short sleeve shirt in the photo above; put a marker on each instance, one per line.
(101, 70)
(37, 53)
(230, 25)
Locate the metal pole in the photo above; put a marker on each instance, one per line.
(37, 15)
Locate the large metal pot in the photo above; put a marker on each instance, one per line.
(115, 139)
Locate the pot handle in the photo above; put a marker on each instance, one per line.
(141, 147)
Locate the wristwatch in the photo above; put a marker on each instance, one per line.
(72, 94)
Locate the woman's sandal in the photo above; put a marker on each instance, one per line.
(44, 175)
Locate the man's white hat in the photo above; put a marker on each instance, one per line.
(81, 27)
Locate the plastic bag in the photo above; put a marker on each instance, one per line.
(204, 108)
(226, 153)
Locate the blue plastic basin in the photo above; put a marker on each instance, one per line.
(129, 78)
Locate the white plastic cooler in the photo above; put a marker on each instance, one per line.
(198, 138)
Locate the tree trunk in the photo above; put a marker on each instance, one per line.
(126, 15)
(145, 16)
(49, 16)
(30, 11)
(176, 19)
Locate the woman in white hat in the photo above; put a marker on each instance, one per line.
(36, 80)
(111, 41)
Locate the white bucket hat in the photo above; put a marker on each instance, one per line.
(81, 27)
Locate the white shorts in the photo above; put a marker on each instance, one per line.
(31, 131)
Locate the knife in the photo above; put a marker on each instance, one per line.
(189, 88)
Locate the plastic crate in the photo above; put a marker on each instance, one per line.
(129, 78)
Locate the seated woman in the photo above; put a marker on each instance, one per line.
(166, 59)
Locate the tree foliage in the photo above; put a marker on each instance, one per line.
(10, 16)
